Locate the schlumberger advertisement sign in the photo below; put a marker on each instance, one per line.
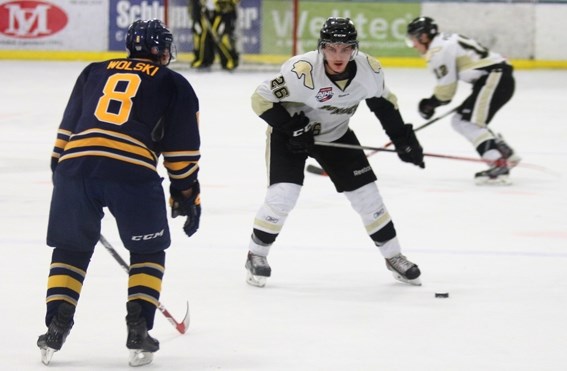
(123, 13)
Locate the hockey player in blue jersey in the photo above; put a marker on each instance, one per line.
(121, 116)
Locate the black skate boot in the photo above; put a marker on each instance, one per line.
(404, 270)
(498, 174)
(508, 154)
(141, 344)
(257, 270)
(57, 332)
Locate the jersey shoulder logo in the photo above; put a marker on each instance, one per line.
(304, 69)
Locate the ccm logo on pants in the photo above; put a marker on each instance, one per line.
(150, 236)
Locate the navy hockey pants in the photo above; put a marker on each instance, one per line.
(77, 210)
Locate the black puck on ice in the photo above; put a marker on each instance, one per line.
(441, 294)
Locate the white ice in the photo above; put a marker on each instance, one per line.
(500, 252)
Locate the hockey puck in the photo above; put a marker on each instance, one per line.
(441, 294)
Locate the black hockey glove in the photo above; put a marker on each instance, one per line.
(300, 134)
(427, 107)
(408, 147)
(187, 206)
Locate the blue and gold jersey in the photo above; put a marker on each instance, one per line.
(121, 116)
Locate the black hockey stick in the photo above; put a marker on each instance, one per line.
(448, 157)
(382, 149)
(317, 170)
(179, 326)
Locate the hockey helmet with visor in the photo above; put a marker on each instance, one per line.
(338, 30)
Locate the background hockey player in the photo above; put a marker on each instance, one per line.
(313, 98)
(453, 57)
(121, 115)
(214, 33)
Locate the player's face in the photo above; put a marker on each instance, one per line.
(418, 43)
(168, 55)
(337, 57)
(165, 58)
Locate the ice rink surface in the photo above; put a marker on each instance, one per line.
(330, 305)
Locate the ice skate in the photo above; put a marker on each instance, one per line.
(404, 270)
(508, 154)
(57, 332)
(257, 270)
(141, 345)
(498, 174)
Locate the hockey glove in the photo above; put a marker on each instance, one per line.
(427, 107)
(187, 206)
(408, 147)
(300, 134)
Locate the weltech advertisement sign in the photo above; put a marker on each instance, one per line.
(381, 26)
(53, 25)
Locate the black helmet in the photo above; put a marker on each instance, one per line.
(422, 25)
(149, 39)
(338, 30)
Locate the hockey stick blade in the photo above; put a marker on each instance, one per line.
(315, 170)
(179, 326)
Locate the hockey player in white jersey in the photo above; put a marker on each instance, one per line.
(312, 99)
(453, 57)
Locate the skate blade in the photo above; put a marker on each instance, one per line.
(46, 355)
(500, 181)
(399, 277)
(258, 281)
(139, 357)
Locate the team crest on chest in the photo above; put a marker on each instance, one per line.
(324, 94)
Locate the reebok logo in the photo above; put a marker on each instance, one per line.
(361, 171)
(31, 19)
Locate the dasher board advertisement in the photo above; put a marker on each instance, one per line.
(69, 25)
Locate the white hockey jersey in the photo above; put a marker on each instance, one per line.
(302, 85)
(453, 57)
